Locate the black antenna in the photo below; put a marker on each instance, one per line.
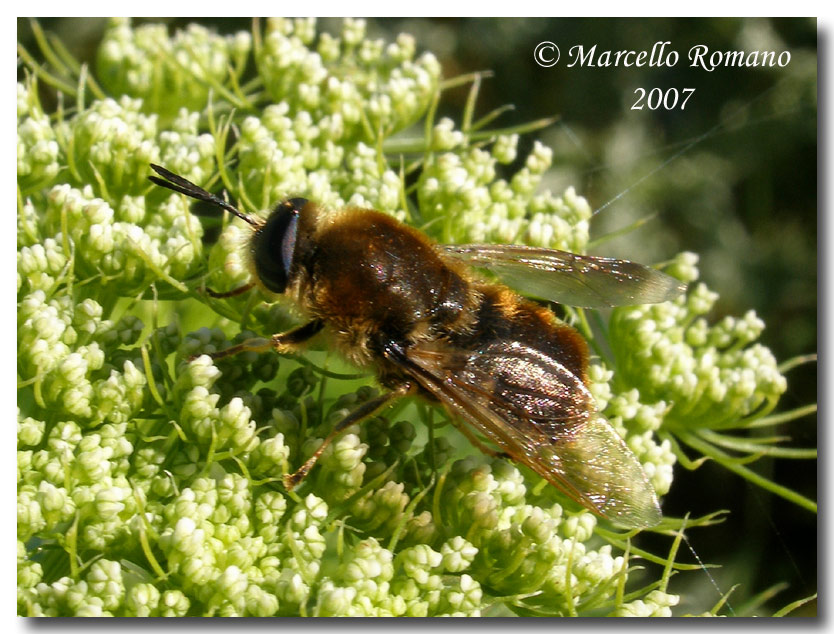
(183, 186)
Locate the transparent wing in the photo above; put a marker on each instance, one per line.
(569, 278)
(542, 415)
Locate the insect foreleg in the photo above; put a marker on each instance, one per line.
(284, 342)
(232, 293)
(288, 341)
(361, 413)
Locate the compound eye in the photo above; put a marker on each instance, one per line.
(274, 243)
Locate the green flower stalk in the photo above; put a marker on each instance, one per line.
(149, 476)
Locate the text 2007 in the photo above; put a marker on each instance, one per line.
(657, 98)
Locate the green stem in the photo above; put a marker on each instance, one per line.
(783, 417)
(48, 53)
(790, 364)
(491, 116)
(620, 232)
(469, 108)
(48, 78)
(416, 145)
(708, 449)
(670, 560)
(793, 606)
(454, 82)
(149, 376)
(754, 445)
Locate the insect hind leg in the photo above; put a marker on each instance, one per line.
(477, 442)
(361, 413)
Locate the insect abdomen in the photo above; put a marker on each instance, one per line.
(503, 315)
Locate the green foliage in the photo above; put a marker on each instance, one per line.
(149, 485)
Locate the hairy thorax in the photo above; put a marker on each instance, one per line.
(373, 281)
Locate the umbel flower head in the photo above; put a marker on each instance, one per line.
(149, 476)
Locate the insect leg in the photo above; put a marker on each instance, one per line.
(232, 293)
(396, 354)
(364, 411)
(283, 342)
(476, 442)
(287, 341)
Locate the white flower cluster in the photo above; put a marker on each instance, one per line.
(711, 376)
(459, 189)
(168, 73)
(37, 145)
